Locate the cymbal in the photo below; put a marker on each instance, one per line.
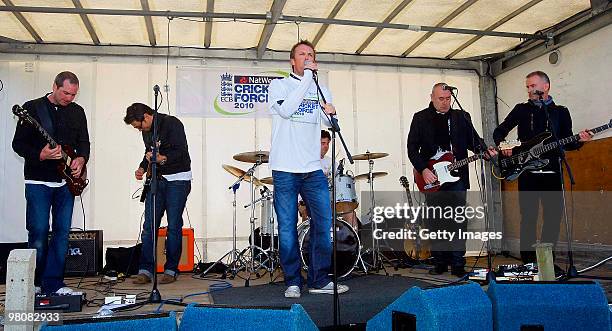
(239, 173)
(267, 180)
(369, 156)
(374, 175)
(253, 157)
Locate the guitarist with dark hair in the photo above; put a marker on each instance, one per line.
(48, 126)
(543, 184)
(436, 131)
(174, 185)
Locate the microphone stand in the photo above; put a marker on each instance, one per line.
(483, 148)
(335, 128)
(155, 296)
(571, 268)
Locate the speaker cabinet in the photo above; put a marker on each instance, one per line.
(186, 261)
(84, 256)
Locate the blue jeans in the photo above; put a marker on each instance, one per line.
(312, 187)
(50, 254)
(170, 199)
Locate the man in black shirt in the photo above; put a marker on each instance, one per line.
(45, 189)
(545, 184)
(174, 185)
(433, 130)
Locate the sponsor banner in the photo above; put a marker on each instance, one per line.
(224, 92)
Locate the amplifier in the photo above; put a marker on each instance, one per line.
(186, 261)
(84, 257)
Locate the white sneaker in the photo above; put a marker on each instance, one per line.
(64, 290)
(293, 291)
(328, 289)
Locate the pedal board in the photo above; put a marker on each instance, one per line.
(67, 303)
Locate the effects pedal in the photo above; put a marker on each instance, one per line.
(67, 303)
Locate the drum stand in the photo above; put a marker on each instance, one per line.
(233, 253)
(377, 256)
(272, 253)
(248, 254)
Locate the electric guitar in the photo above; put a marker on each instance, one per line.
(527, 157)
(415, 249)
(146, 187)
(76, 185)
(442, 164)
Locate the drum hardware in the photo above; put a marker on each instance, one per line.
(233, 253)
(268, 227)
(240, 174)
(367, 156)
(253, 257)
(377, 256)
(375, 175)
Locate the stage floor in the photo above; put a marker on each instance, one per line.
(97, 288)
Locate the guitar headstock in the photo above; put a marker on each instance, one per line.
(22, 113)
(404, 181)
(510, 144)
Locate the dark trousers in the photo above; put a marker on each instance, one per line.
(446, 252)
(535, 189)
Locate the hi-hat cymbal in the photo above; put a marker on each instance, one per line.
(267, 180)
(374, 175)
(253, 157)
(239, 173)
(369, 156)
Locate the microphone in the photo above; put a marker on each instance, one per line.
(537, 92)
(314, 72)
(156, 88)
(448, 88)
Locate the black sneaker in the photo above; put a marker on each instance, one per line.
(458, 271)
(438, 269)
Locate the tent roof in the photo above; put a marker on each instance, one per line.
(454, 29)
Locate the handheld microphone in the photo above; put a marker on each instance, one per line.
(537, 92)
(449, 88)
(314, 72)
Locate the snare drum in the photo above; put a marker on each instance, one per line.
(348, 247)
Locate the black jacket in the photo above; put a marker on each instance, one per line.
(173, 144)
(69, 126)
(421, 146)
(531, 121)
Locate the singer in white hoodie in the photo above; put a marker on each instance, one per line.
(298, 111)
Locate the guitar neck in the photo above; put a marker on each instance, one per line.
(551, 146)
(52, 143)
(464, 162)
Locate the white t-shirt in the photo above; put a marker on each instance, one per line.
(296, 123)
(326, 165)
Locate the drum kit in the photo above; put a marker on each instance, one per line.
(262, 253)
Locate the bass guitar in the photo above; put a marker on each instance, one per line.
(76, 185)
(527, 156)
(417, 249)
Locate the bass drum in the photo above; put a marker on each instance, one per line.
(348, 247)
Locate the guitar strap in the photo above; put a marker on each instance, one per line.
(42, 110)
